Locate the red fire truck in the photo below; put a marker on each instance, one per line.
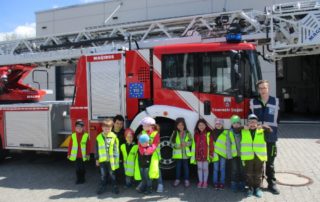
(186, 80)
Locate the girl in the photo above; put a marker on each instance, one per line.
(181, 140)
(220, 154)
(202, 151)
(129, 151)
(152, 130)
(145, 165)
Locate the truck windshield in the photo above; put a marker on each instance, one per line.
(225, 73)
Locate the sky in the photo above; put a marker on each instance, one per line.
(17, 17)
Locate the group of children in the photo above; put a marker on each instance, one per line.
(244, 146)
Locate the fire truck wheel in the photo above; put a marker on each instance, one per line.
(167, 164)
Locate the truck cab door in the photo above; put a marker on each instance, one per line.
(220, 92)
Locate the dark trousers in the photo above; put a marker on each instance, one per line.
(105, 172)
(272, 153)
(254, 170)
(237, 171)
(145, 179)
(182, 164)
(80, 166)
(80, 170)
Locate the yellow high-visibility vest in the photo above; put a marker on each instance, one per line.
(154, 169)
(83, 146)
(112, 157)
(129, 159)
(256, 146)
(177, 153)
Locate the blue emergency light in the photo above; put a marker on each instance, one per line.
(234, 37)
(234, 33)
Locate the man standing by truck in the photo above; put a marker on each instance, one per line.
(266, 108)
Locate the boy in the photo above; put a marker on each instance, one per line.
(129, 151)
(237, 173)
(107, 156)
(79, 150)
(254, 154)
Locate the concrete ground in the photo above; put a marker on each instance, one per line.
(29, 177)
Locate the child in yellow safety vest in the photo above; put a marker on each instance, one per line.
(107, 156)
(129, 151)
(146, 165)
(237, 170)
(222, 151)
(79, 150)
(181, 141)
(254, 154)
(152, 129)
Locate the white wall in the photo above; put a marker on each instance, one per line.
(76, 18)
(268, 70)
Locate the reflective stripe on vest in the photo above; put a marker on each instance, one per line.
(112, 157)
(220, 144)
(83, 146)
(257, 146)
(177, 153)
(233, 144)
(128, 160)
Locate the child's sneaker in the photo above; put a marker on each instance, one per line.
(148, 190)
(258, 193)
(249, 192)
(234, 186)
(221, 186)
(176, 183)
(160, 188)
(199, 185)
(216, 186)
(205, 185)
(241, 186)
(187, 183)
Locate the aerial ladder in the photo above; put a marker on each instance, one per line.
(286, 30)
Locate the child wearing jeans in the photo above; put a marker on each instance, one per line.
(202, 151)
(220, 154)
(181, 141)
(107, 156)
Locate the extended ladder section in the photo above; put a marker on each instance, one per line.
(294, 28)
(287, 29)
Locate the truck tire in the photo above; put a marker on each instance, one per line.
(167, 164)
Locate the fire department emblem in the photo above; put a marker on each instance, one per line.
(227, 101)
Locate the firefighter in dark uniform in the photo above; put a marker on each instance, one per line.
(266, 108)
